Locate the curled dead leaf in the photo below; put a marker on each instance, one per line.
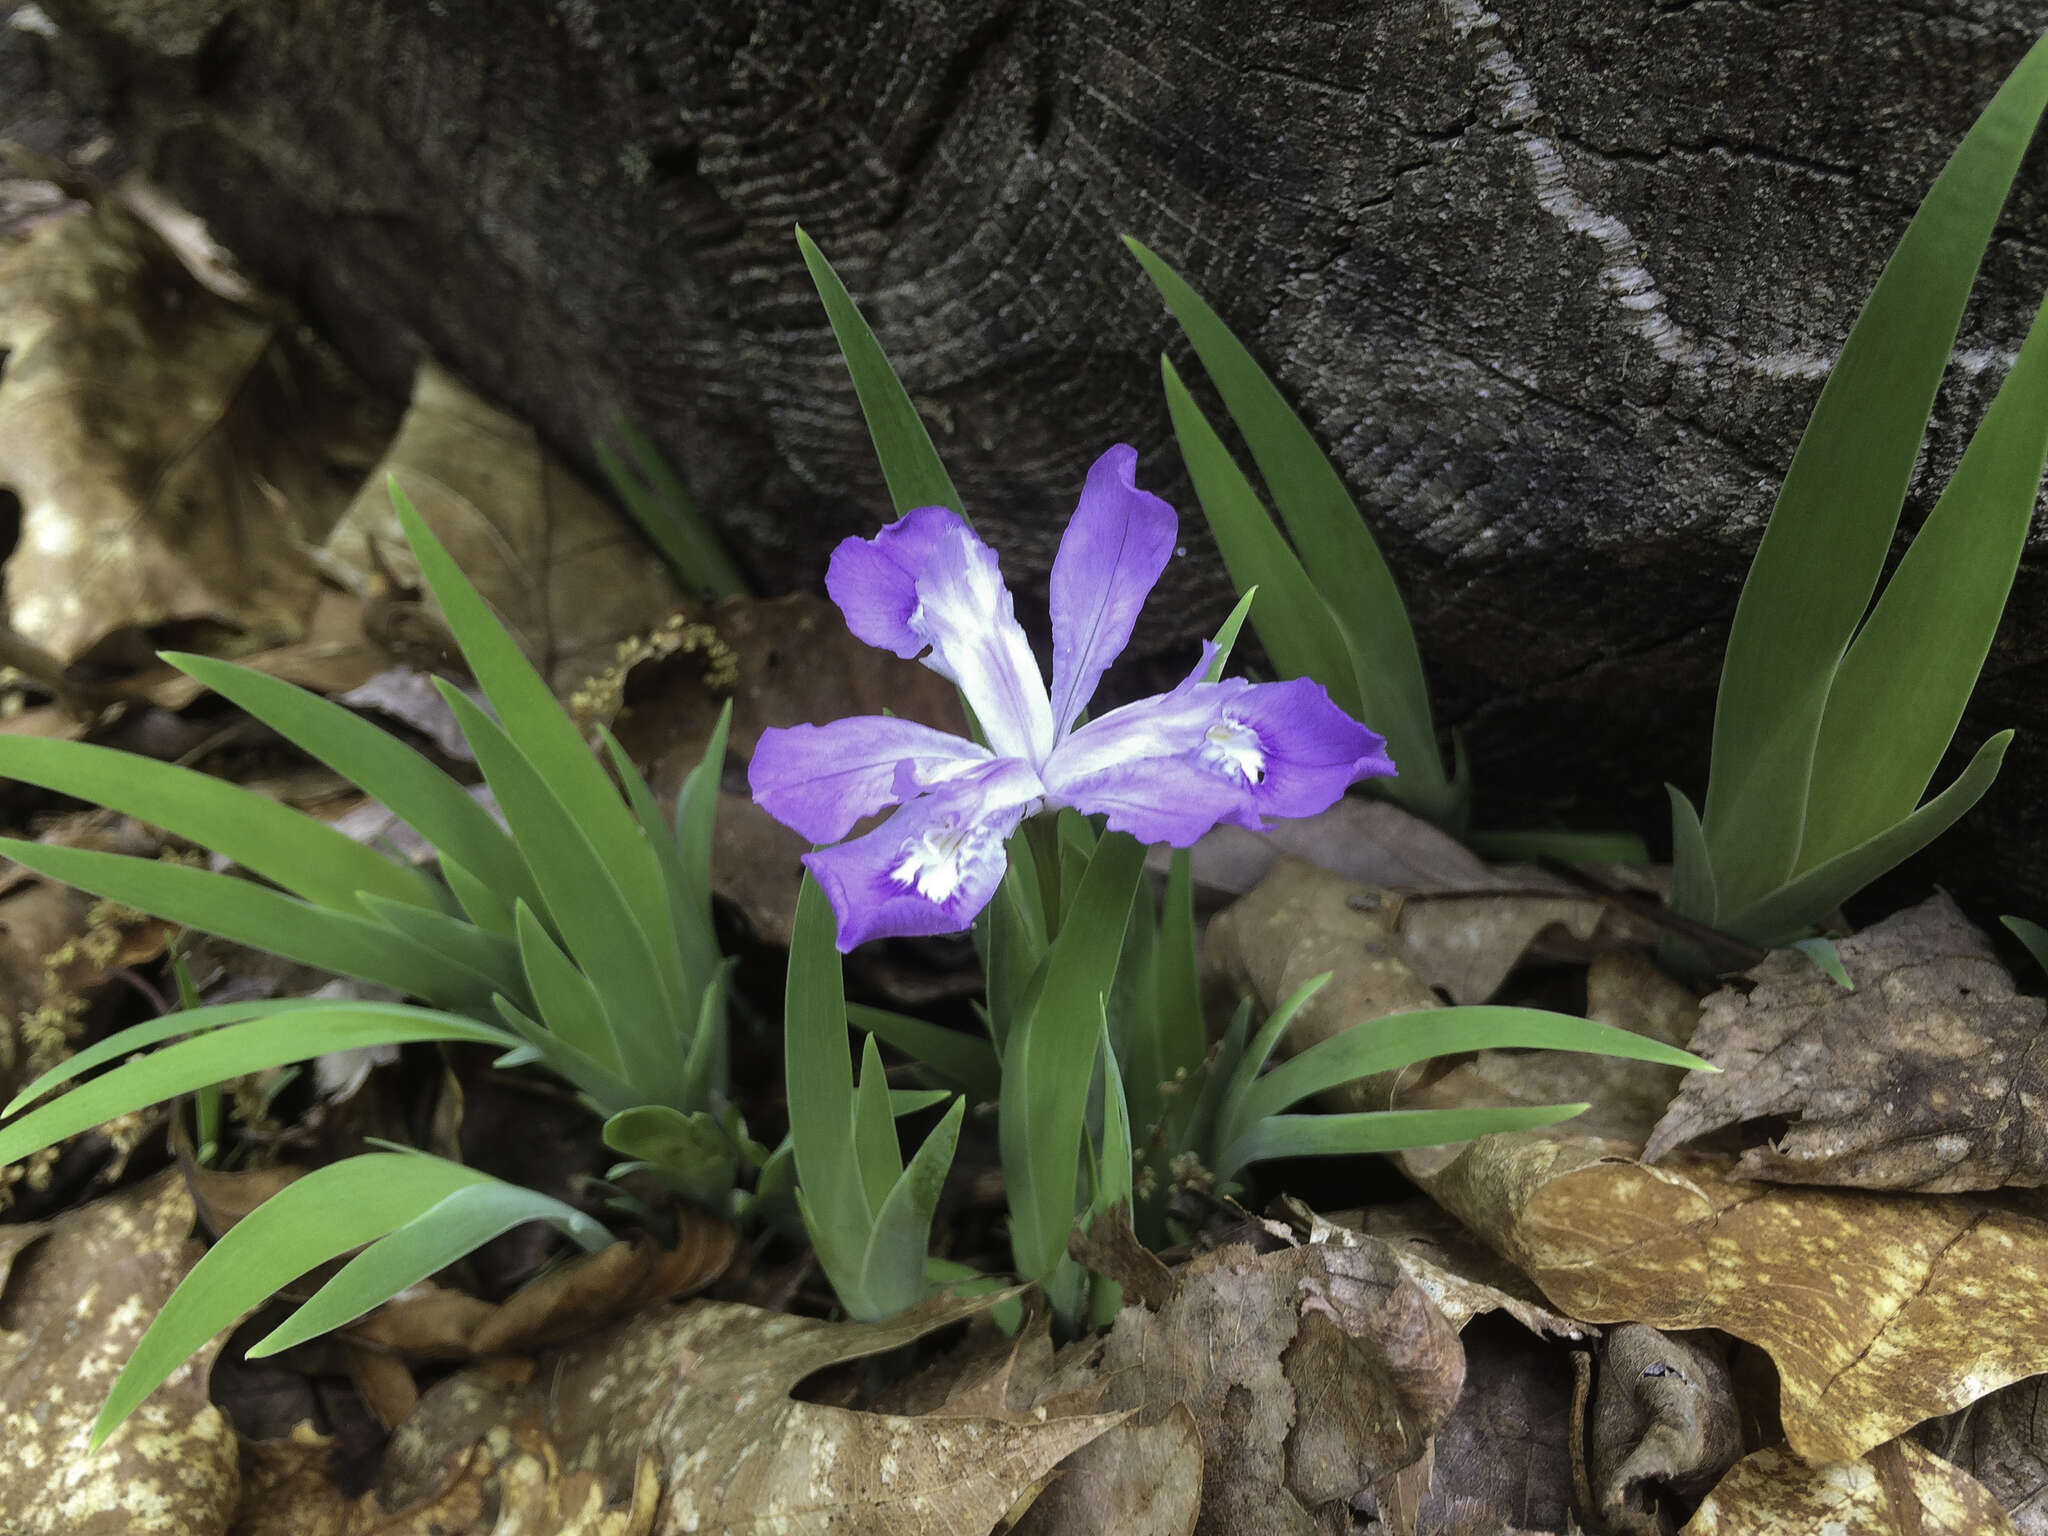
(1664, 1424)
(1932, 1075)
(1898, 1489)
(1879, 1311)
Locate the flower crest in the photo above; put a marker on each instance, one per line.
(1165, 769)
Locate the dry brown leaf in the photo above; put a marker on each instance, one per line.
(1897, 1490)
(567, 575)
(75, 1300)
(785, 661)
(1664, 1423)
(704, 1390)
(1138, 1480)
(1932, 1075)
(1311, 1372)
(2002, 1441)
(174, 453)
(1298, 923)
(1460, 1274)
(1879, 1310)
(288, 1489)
(1372, 842)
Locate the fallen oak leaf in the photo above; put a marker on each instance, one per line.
(1899, 1489)
(1879, 1311)
(704, 1390)
(74, 1299)
(2002, 1441)
(1932, 1075)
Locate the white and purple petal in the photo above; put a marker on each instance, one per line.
(932, 866)
(1116, 544)
(874, 581)
(1308, 750)
(966, 612)
(821, 779)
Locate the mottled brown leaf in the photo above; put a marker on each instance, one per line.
(704, 1390)
(1899, 1489)
(74, 1302)
(567, 575)
(1931, 1075)
(2002, 1441)
(174, 452)
(1139, 1479)
(1879, 1310)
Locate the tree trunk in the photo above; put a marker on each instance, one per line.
(1557, 286)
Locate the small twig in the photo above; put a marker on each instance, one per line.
(1656, 913)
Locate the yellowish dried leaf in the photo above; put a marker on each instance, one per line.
(1879, 1311)
(1897, 1490)
(74, 1302)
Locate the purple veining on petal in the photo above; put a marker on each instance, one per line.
(821, 779)
(933, 865)
(1115, 546)
(1309, 750)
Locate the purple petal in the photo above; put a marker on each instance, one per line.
(966, 612)
(1115, 546)
(874, 581)
(821, 779)
(1168, 768)
(1310, 750)
(932, 866)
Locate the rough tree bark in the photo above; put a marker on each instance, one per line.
(1556, 282)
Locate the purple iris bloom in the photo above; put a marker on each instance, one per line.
(1165, 769)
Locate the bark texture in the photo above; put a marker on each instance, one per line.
(1555, 282)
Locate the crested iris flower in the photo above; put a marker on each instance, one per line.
(1165, 769)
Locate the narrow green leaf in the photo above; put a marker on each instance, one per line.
(461, 1222)
(138, 1037)
(596, 915)
(1231, 1121)
(1798, 904)
(1199, 1134)
(1825, 545)
(308, 1222)
(1692, 867)
(1051, 1053)
(818, 1077)
(563, 998)
(688, 894)
(707, 1066)
(667, 513)
(1112, 1185)
(378, 763)
(1226, 636)
(1294, 623)
(2031, 934)
(892, 1269)
(485, 907)
(1382, 1131)
(1337, 549)
(231, 1050)
(1402, 1039)
(462, 943)
(246, 913)
(1899, 693)
(695, 836)
(1827, 960)
(875, 1151)
(954, 1055)
(296, 851)
(909, 461)
(543, 733)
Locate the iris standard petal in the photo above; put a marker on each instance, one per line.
(874, 581)
(932, 866)
(821, 779)
(1115, 546)
(966, 612)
